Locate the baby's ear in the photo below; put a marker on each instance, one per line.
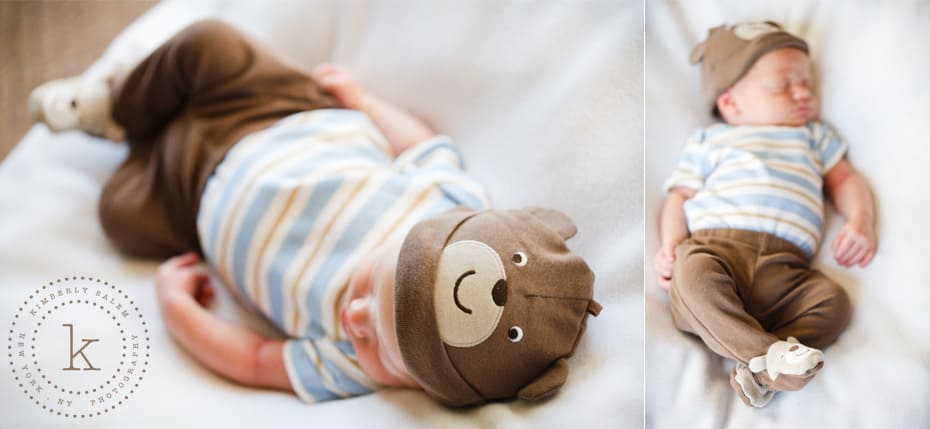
(547, 383)
(697, 54)
(558, 221)
(726, 105)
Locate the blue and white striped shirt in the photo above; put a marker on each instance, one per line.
(290, 212)
(759, 178)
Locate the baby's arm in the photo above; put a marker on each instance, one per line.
(856, 242)
(230, 350)
(673, 229)
(401, 128)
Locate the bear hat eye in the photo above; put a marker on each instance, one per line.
(515, 334)
(519, 259)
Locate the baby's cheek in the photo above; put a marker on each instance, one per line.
(367, 356)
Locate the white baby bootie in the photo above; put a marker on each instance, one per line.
(787, 357)
(750, 391)
(75, 104)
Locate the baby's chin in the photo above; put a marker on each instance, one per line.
(800, 120)
(795, 122)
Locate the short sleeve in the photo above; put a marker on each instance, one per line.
(693, 166)
(829, 147)
(437, 151)
(321, 370)
(438, 160)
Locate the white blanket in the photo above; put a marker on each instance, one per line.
(871, 65)
(545, 101)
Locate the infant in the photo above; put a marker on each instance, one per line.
(744, 214)
(340, 218)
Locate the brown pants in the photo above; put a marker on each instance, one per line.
(183, 108)
(741, 291)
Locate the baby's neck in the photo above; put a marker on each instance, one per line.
(738, 125)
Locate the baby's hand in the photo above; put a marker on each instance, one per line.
(338, 81)
(855, 244)
(181, 278)
(664, 262)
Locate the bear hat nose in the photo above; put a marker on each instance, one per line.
(499, 292)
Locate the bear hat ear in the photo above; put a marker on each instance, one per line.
(558, 221)
(697, 54)
(547, 383)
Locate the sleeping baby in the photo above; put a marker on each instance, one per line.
(340, 218)
(744, 215)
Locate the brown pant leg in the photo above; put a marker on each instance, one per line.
(710, 275)
(791, 300)
(183, 108)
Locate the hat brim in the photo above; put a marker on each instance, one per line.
(422, 350)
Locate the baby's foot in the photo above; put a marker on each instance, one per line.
(788, 357)
(748, 389)
(338, 81)
(75, 104)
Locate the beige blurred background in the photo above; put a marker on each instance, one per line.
(42, 40)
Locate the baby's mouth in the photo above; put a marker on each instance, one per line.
(803, 111)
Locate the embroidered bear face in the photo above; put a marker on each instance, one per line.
(510, 299)
(489, 304)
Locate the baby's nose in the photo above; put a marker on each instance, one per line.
(800, 92)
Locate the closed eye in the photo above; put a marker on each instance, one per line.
(776, 86)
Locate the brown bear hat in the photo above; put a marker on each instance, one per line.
(488, 305)
(730, 51)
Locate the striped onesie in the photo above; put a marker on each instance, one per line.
(759, 178)
(291, 211)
